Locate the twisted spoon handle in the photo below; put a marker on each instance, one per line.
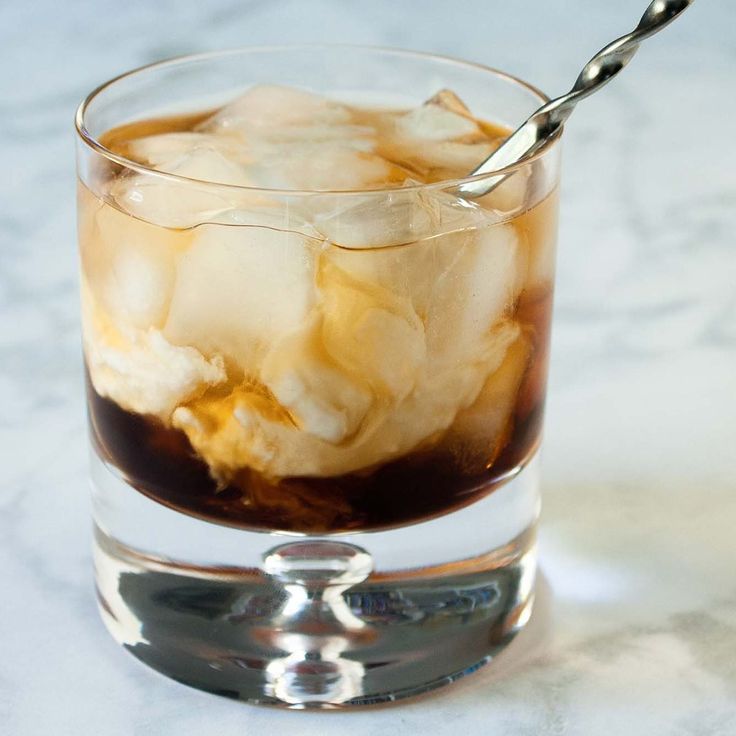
(548, 119)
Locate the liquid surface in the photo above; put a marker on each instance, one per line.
(368, 130)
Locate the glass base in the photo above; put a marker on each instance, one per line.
(315, 622)
(245, 636)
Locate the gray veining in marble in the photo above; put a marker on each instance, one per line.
(635, 630)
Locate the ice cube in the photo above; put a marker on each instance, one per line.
(474, 293)
(393, 218)
(129, 264)
(480, 432)
(510, 196)
(449, 159)
(265, 107)
(167, 202)
(448, 100)
(164, 150)
(459, 278)
(439, 139)
(371, 332)
(299, 140)
(138, 368)
(208, 165)
(323, 400)
(371, 221)
(187, 202)
(427, 231)
(239, 289)
(359, 137)
(459, 283)
(444, 117)
(323, 166)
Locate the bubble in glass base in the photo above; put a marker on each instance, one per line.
(305, 622)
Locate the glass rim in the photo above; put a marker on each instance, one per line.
(94, 144)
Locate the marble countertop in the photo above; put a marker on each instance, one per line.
(635, 627)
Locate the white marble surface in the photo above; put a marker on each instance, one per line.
(635, 632)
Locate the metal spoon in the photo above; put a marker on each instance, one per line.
(548, 119)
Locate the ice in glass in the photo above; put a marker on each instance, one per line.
(307, 363)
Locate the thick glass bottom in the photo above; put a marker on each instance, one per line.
(318, 622)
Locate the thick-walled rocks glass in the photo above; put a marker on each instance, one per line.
(315, 414)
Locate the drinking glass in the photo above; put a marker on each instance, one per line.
(315, 415)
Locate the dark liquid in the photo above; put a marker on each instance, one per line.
(161, 463)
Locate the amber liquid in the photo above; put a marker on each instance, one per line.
(161, 463)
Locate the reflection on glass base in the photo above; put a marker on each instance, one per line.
(315, 628)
